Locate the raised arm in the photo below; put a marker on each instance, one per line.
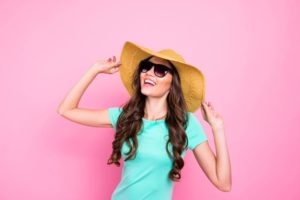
(216, 167)
(68, 108)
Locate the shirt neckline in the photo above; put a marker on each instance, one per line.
(147, 120)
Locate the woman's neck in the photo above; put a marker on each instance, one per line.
(155, 108)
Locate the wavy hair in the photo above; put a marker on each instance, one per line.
(130, 122)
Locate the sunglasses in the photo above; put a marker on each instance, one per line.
(159, 69)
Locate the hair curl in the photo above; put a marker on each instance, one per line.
(130, 122)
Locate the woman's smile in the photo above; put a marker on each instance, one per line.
(149, 83)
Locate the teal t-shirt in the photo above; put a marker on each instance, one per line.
(146, 176)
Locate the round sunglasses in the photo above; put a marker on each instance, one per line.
(159, 69)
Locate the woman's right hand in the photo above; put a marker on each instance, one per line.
(109, 66)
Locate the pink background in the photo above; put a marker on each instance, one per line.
(248, 51)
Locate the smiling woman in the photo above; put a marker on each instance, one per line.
(156, 76)
(154, 129)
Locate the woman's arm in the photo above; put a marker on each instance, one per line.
(217, 168)
(68, 108)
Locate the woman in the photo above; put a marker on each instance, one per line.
(156, 126)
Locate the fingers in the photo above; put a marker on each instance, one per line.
(204, 104)
(210, 105)
(203, 109)
(207, 104)
(114, 59)
(117, 69)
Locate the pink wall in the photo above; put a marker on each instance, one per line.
(248, 50)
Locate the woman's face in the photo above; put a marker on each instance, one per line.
(162, 85)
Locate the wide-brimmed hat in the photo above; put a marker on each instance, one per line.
(191, 78)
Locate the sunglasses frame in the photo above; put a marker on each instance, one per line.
(156, 68)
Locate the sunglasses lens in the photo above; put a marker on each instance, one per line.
(160, 70)
(145, 66)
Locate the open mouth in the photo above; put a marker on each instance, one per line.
(149, 83)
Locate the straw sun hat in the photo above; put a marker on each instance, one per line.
(192, 79)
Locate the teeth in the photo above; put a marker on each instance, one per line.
(149, 81)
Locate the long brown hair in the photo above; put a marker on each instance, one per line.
(130, 121)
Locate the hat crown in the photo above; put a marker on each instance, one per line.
(172, 55)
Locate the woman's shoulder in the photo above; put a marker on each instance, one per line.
(115, 110)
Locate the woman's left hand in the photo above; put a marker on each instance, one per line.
(211, 116)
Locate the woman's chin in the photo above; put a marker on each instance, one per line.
(146, 92)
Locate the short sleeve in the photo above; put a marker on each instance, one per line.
(114, 113)
(194, 131)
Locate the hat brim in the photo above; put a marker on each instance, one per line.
(192, 79)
